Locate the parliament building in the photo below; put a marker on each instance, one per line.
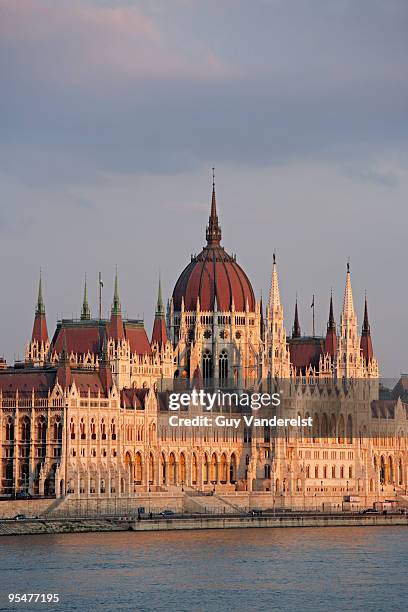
(85, 415)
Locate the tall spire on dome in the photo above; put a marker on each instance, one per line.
(40, 307)
(348, 306)
(213, 232)
(296, 326)
(274, 295)
(85, 311)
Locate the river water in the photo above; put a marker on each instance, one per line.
(337, 568)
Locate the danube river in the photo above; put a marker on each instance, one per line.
(336, 568)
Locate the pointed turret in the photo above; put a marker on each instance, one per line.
(330, 345)
(116, 329)
(159, 334)
(296, 326)
(85, 311)
(213, 233)
(366, 342)
(348, 305)
(116, 309)
(274, 295)
(262, 322)
(40, 332)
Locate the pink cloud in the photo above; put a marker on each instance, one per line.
(77, 41)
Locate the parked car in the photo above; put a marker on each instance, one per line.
(20, 517)
(255, 512)
(167, 513)
(369, 511)
(23, 495)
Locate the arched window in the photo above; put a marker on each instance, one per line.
(224, 476)
(138, 468)
(214, 469)
(172, 466)
(207, 365)
(41, 430)
(151, 469)
(58, 430)
(206, 469)
(382, 471)
(182, 468)
(10, 430)
(223, 366)
(233, 469)
(194, 470)
(25, 430)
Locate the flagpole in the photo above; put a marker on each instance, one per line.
(313, 306)
(100, 296)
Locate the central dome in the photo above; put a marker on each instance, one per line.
(213, 275)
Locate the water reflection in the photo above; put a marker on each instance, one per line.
(282, 569)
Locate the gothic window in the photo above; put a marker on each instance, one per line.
(267, 434)
(10, 430)
(223, 365)
(58, 430)
(207, 365)
(238, 335)
(207, 334)
(25, 430)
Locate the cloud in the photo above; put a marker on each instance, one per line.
(74, 43)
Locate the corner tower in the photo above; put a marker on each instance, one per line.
(38, 348)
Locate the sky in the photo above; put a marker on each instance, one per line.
(113, 113)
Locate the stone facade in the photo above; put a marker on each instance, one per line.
(86, 414)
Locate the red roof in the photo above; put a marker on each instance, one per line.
(137, 337)
(366, 345)
(213, 274)
(83, 336)
(159, 334)
(25, 381)
(40, 332)
(115, 329)
(305, 352)
(79, 338)
(330, 344)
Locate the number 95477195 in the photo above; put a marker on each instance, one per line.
(33, 598)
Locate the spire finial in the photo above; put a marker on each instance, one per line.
(331, 324)
(116, 301)
(85, 312)
(159, 305)
(274, 257)
(366, 324)
(213, 233)
(348, 265)
(296, 326)
(40, 308)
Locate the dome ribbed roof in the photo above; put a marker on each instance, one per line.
(213, 275)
